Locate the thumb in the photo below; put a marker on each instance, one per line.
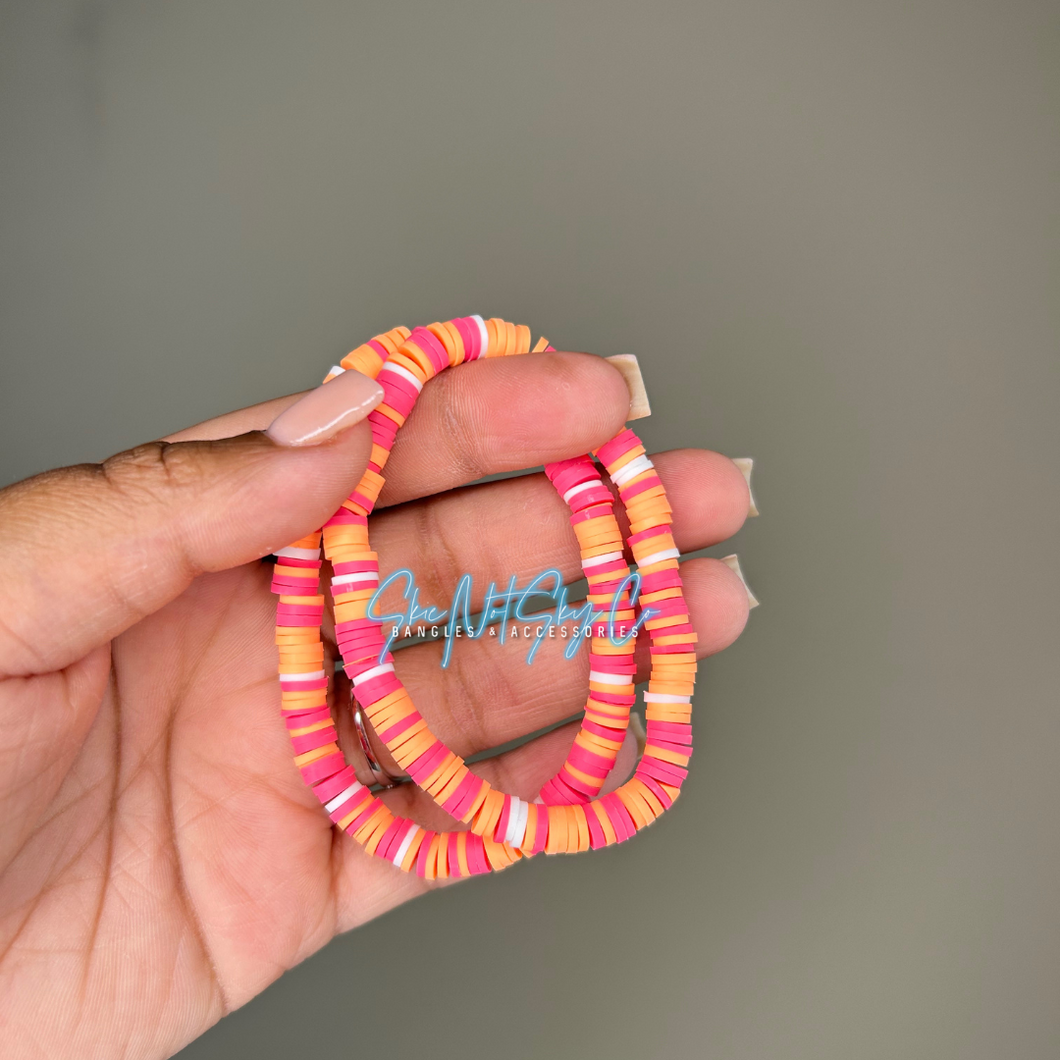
(90, 550)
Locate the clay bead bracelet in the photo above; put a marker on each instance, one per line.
(566, 817)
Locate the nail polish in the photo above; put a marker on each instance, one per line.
(746, 465)
(627, 364)
(733, 563)
(319, 415)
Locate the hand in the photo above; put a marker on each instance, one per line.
(161, 861)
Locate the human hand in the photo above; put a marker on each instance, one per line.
(161, 861)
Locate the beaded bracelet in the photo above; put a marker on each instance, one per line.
(567, 816)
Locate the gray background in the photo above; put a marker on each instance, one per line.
(829, 230)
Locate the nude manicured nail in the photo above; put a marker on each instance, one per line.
(322, 413)
(733, 563)
(746, 466)
(626, 363)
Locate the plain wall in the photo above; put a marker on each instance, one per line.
(829, 231)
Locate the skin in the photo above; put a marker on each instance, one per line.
(161, 861)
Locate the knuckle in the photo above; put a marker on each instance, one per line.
(151, 470)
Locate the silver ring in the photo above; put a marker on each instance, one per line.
(381, 778)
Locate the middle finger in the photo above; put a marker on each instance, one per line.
(521, 527)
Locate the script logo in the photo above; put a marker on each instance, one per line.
(504, 610)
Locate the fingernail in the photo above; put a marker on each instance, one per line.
(339, 403)
(626, 363)
(636, 726)
(746, 466)
(733, 563)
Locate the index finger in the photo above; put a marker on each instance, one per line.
(489, 416)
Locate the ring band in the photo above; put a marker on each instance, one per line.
(380, 776)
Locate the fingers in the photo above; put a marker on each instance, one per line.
(501, 414)
(521, 527)
(504, 415)
(489, 695)
(89, 550)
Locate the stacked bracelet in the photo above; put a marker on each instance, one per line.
(568, 815)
